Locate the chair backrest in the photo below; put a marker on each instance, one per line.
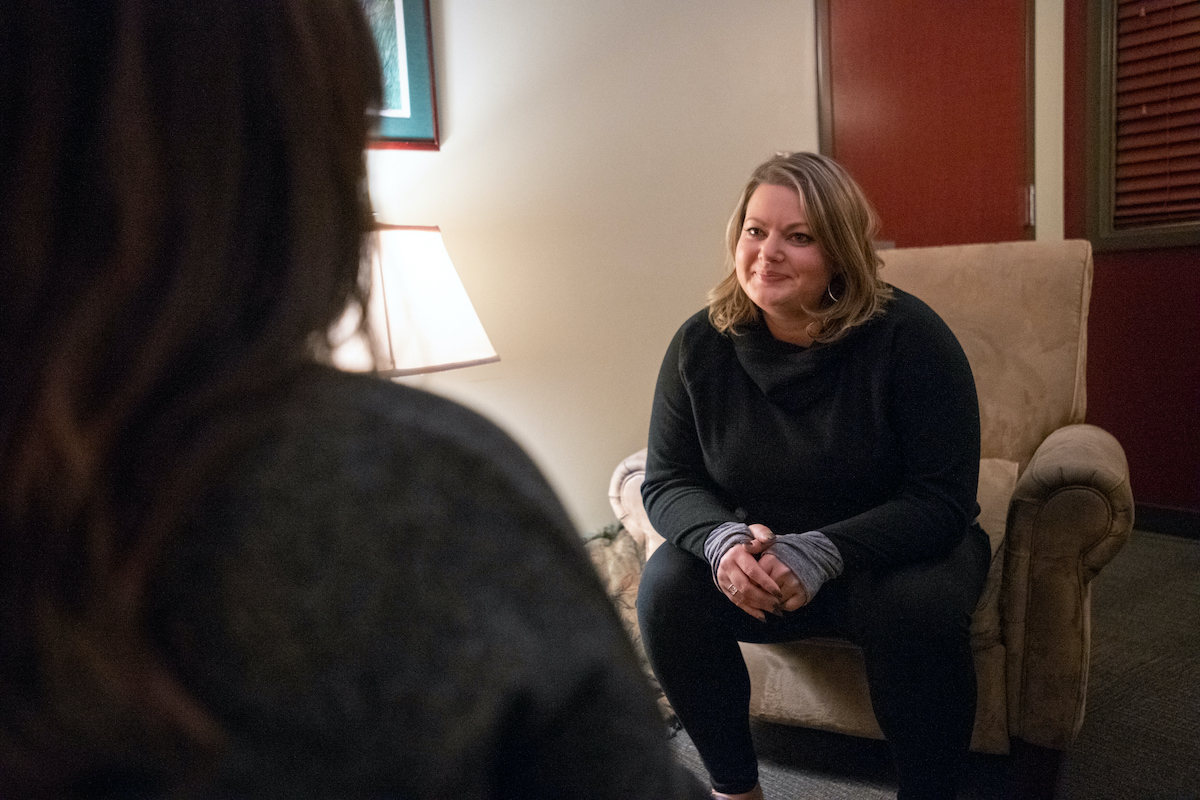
(1019, 309)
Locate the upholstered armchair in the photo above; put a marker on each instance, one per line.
(1054, 494)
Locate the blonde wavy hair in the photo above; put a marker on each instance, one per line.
(842, 222)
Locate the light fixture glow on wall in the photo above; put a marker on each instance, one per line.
(419, 312)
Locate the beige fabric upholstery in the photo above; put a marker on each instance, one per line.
(1054, 494)
(1019, 309)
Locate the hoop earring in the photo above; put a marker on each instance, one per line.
(829, 291)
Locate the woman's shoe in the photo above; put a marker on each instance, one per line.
(754, 794)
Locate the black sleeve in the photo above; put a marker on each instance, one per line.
(681, 499)
(934, 412)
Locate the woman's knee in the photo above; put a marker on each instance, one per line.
(919, 604)
(672, 579)
(925, 600)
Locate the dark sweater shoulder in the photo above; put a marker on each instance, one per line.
(903, 314)
(366, 480)
(700, 349)
(698, 333)
(907, 310)
(918, 339)
(378, 424)
(354, 457)
(383, 595)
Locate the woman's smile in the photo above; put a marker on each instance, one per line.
(779, 264)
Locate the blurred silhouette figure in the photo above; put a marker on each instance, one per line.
(227, 570)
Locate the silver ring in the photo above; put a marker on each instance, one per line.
(732, 589)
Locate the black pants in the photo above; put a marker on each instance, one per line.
(913, 624)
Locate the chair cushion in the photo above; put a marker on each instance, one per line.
(1019, 310)
(997, 479)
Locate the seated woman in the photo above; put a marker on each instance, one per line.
(813, 461)
(227, 570)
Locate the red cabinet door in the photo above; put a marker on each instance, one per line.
(927, 103)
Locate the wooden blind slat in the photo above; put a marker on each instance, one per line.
(1164, 138)
(1132, 23)
(1159, 167)
(1157, 220)
(1181, 88)
(1148, 80)
(1169, 29)
(1133, 8)
(1184, 73)
(1156, 212)
(1148, 124)
(1158, 49)
(1178, 211)
(1175, 91)
(1151, 215)
(1184, 120)
(1141, 218)
(1176, 60)
(1149, 12)
(1166, 203)
(1175, 184)
(1170, 107)
(1179, 150)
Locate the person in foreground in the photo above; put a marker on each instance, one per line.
(813, 461)
(225, 569)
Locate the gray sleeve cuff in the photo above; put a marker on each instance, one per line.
(811, 556)
(722, 538)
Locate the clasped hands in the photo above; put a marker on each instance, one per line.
(756, 581)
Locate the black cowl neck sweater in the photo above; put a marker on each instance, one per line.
(872, 439)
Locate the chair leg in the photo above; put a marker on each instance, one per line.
(1033, 771)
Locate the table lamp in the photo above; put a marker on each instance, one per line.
(419, 312)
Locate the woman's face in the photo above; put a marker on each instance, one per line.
(779, 265)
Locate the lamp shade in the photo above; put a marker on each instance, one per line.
(419, 312)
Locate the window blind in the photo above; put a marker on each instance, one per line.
(1157, 180)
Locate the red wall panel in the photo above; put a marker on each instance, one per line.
(929, 106)
(1144, 368)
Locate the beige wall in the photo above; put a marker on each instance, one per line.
(591, 155)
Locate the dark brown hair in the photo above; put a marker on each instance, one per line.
(183, 213)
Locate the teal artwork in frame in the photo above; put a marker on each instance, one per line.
(409, 115)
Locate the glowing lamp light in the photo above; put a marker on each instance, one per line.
(420, 315)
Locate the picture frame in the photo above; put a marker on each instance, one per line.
(408, 119)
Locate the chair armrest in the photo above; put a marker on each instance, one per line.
(1073, 500)
(1071, 512)
(625, 497)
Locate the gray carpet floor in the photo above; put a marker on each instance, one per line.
(1141, 731)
